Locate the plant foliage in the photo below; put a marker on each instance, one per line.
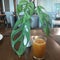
(23, 24)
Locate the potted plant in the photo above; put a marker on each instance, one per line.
(22, 25)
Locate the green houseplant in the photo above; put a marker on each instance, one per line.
(22, 25)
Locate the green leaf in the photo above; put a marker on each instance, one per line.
(44, 20)
(21, 49)
(46, 30)
(18, 10)
(23, 24)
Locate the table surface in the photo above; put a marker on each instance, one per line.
(52, 49)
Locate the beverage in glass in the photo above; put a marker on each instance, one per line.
(39, 48)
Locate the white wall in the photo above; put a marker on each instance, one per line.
(58, 1)
(48, 4)
(17, 1)
(11, 3)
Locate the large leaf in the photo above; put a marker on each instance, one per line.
(25, 31)
(23, 25)
(44, 20)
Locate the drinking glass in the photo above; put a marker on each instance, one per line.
(38, 47)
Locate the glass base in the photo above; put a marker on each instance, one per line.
(38, 58)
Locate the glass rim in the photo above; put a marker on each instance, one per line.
(37, 37)
(34, 38)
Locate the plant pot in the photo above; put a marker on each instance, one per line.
(34, 21)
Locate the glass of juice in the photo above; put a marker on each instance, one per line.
(38, 47)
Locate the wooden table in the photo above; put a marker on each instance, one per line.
(52, 50)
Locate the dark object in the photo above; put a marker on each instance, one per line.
(57, 18)
(2, 19)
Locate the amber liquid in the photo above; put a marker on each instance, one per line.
(39, 48)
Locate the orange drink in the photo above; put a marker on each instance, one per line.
(38, 48)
